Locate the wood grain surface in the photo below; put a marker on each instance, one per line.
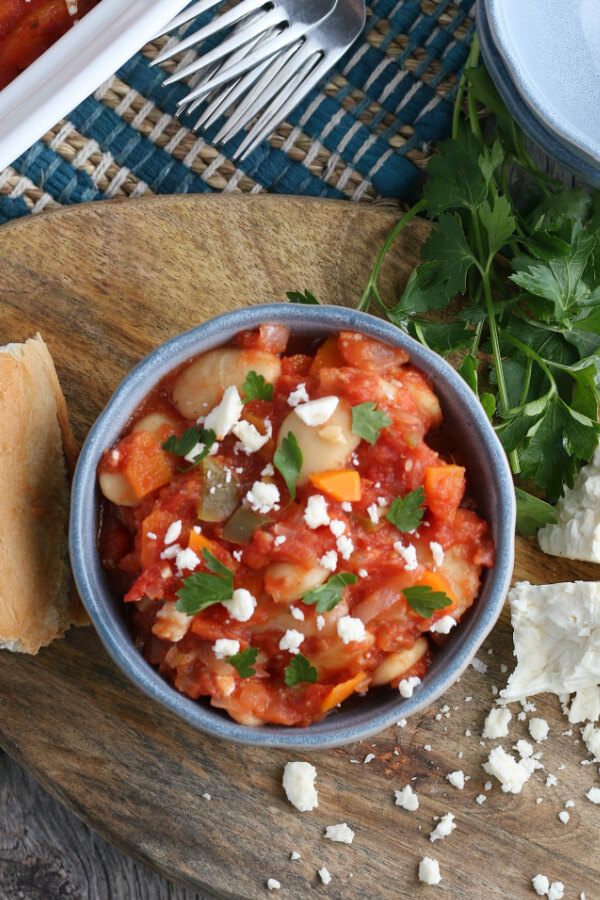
(104, 284)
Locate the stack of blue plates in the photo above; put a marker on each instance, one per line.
(544, 56)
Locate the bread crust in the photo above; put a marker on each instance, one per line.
(37, 600)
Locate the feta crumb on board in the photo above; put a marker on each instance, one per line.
(511, 774)
(496, 723)
(324, 875)
(591, 737)
(299, 785)
(594, 795)
(429, 871)
(273, 884)
(443, 828)
(556, 638)
(407, 799)
(538, 729)
(540, 885)
(341, 833)
(576, 535)
(456, 779)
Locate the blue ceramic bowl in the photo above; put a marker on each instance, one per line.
(490, 480)
(544, 58)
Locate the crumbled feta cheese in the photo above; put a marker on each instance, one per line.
(368, 758)
(315, 514)
(241, 606)
(576, 535)
(329, 560)
(224, 647)
(299, 785)
(551, 781)
(429, 871)
(540, 884)
(317, 412)
(511, 774)
(250, 437)
(279, 540)
(295, 855)
(320, 620)
(340, 833)
(226, 414)
(291, 640)
(268, 470)
(556, 638)
(586, 704)
(401, 723)
(556, 891)
(324, 875)
(297, 613)
(337, 527)
(362, 573)
(479, 665)
(480, 798)
(263, 497)
(524, 749)
(406, 798)
(273, 884)
(594, 795)
(298, 396)
(346, 506)
(408, 554)
(187, 559)
(444, 625)
(591, 736)
(150, 535)
(457, 779)
(408, 685)
(496, 723)
(538, 729)
(374, 513)
(443, 828)
(170, 623)
(173, 532)
(351, 629)
(345, 546)
(206, 796)
(564, 816)
(437, 551)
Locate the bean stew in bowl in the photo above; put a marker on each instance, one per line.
(307, 521)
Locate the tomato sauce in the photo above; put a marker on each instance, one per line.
(29, 27)
(281, 529)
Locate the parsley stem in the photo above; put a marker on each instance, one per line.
(471, 63)
(371, 289)
(531, 354)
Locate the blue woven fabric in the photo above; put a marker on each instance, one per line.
(398, 85)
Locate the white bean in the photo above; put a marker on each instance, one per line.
(323, 447)
(397, 664)
(116, 488)
(288, 581)
(153, 422)
(201, 386)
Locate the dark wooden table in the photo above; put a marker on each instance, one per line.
(47, 853)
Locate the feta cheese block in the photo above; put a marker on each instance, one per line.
(576, 535)
(556, 638)
(299, 785)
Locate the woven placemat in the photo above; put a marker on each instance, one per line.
(363, 135)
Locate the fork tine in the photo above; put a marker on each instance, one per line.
(218, 23)
(228, 95)
(264, 90)
(197, 9)
(268, 49)
(267, 22)
(279, 109)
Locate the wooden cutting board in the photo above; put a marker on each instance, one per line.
(104, 284)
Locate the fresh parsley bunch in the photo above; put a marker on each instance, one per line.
(526, 270)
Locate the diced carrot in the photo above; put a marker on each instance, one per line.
(341, 484)
(342, 691)
(327, 356)
(198, 543)
(444, 489)
(155, 524)
(437, 582)
(146, 464)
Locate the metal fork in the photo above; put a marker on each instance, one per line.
(280, 24)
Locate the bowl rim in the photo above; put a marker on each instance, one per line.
(83, 521)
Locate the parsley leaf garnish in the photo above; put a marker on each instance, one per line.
(532, 513)
(328, 595)
(299, 670)
(367, 421)
(288, 460)
(299, 297)
(202, 589)
(243, 661)
(188, 440)
(406, 513)
(256, 388)
(424, 600)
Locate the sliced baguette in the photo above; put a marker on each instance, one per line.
(37, 601)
